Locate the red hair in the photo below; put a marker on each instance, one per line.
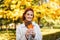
(26, 10)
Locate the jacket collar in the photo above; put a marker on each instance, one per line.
(33, 23)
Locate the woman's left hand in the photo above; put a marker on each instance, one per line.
(32, 33)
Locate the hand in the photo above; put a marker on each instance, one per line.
(27, 33)
(30, 32)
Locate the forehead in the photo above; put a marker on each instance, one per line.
(30, 11)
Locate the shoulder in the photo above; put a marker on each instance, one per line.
(19, 26)
(35, 24)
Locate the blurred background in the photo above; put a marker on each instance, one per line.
(46, 12)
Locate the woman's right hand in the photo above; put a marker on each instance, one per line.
(27, 33)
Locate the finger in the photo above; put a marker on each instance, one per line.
(28, 30)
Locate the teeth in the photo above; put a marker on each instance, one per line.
(29, 17)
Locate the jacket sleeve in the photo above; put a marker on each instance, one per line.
(38, 35)
(18, 33)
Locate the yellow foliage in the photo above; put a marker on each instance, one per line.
(50, 9)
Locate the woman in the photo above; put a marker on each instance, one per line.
(25, 33)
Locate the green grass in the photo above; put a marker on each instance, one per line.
(50, 34)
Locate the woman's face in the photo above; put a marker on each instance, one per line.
(29, 16)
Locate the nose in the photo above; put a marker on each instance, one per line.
(30, 16)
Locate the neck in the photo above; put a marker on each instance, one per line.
(27, 22)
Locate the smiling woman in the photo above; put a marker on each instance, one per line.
(28, 14)
(29, 30)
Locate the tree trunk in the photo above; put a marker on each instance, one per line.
(6, 28)
(1, 26)
(38, 20)
(15, 26)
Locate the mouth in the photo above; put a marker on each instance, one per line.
(29, 18)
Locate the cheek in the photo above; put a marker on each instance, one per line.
(26, 16)
(32, 16)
